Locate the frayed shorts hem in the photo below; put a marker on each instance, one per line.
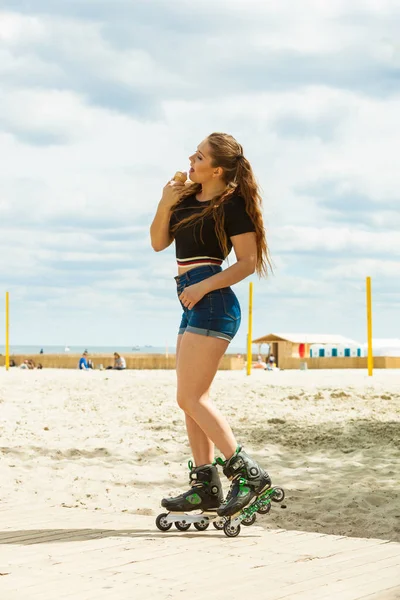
(206, 332)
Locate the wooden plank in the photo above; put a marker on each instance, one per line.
(125, 555)
(350, 588)
(392, 593)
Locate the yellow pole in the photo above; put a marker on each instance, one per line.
(7, 331)
(250, 329)
(369, 328)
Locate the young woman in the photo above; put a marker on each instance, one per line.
(219, 209)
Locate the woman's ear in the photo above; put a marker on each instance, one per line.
(218, 172)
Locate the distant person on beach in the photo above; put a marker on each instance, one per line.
(260, 364)
(271, 365)
(28, 364)
(220, 208)
(83, 362)
(119, 363)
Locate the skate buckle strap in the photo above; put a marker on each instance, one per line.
(235, 468)
(193, 479)
(192, 474)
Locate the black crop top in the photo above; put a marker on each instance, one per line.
(195, 246)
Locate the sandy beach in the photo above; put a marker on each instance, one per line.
(116, 441)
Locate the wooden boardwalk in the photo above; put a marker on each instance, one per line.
(61, 553)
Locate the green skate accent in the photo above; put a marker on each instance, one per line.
(194, 499)
(263, 500)
(243, 488)
(221, 462)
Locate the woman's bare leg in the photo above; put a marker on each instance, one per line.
(197, 364)
(202, 447)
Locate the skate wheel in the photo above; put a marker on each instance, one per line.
(201, 526)
(219, 524)
(248, 521)
(278, 494)
(231, 530)
(264, 510)
(182, 525)
(162, 523)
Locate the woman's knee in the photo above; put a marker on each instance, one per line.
(188, 402)
(184, 403)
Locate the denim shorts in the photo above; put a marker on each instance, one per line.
(217, 314)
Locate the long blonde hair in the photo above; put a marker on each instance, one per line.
(238, 175)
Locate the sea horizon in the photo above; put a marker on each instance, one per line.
(18, 349)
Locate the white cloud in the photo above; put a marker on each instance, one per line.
(16, 29)
(359, 269)
(99, 108)
(338, 240)
(56, 115)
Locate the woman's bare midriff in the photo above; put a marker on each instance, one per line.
(182, 270)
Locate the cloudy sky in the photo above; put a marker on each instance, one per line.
(101, 102)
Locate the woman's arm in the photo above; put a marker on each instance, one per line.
(245, 248)
(159, 229)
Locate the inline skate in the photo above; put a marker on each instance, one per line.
(198, 505)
